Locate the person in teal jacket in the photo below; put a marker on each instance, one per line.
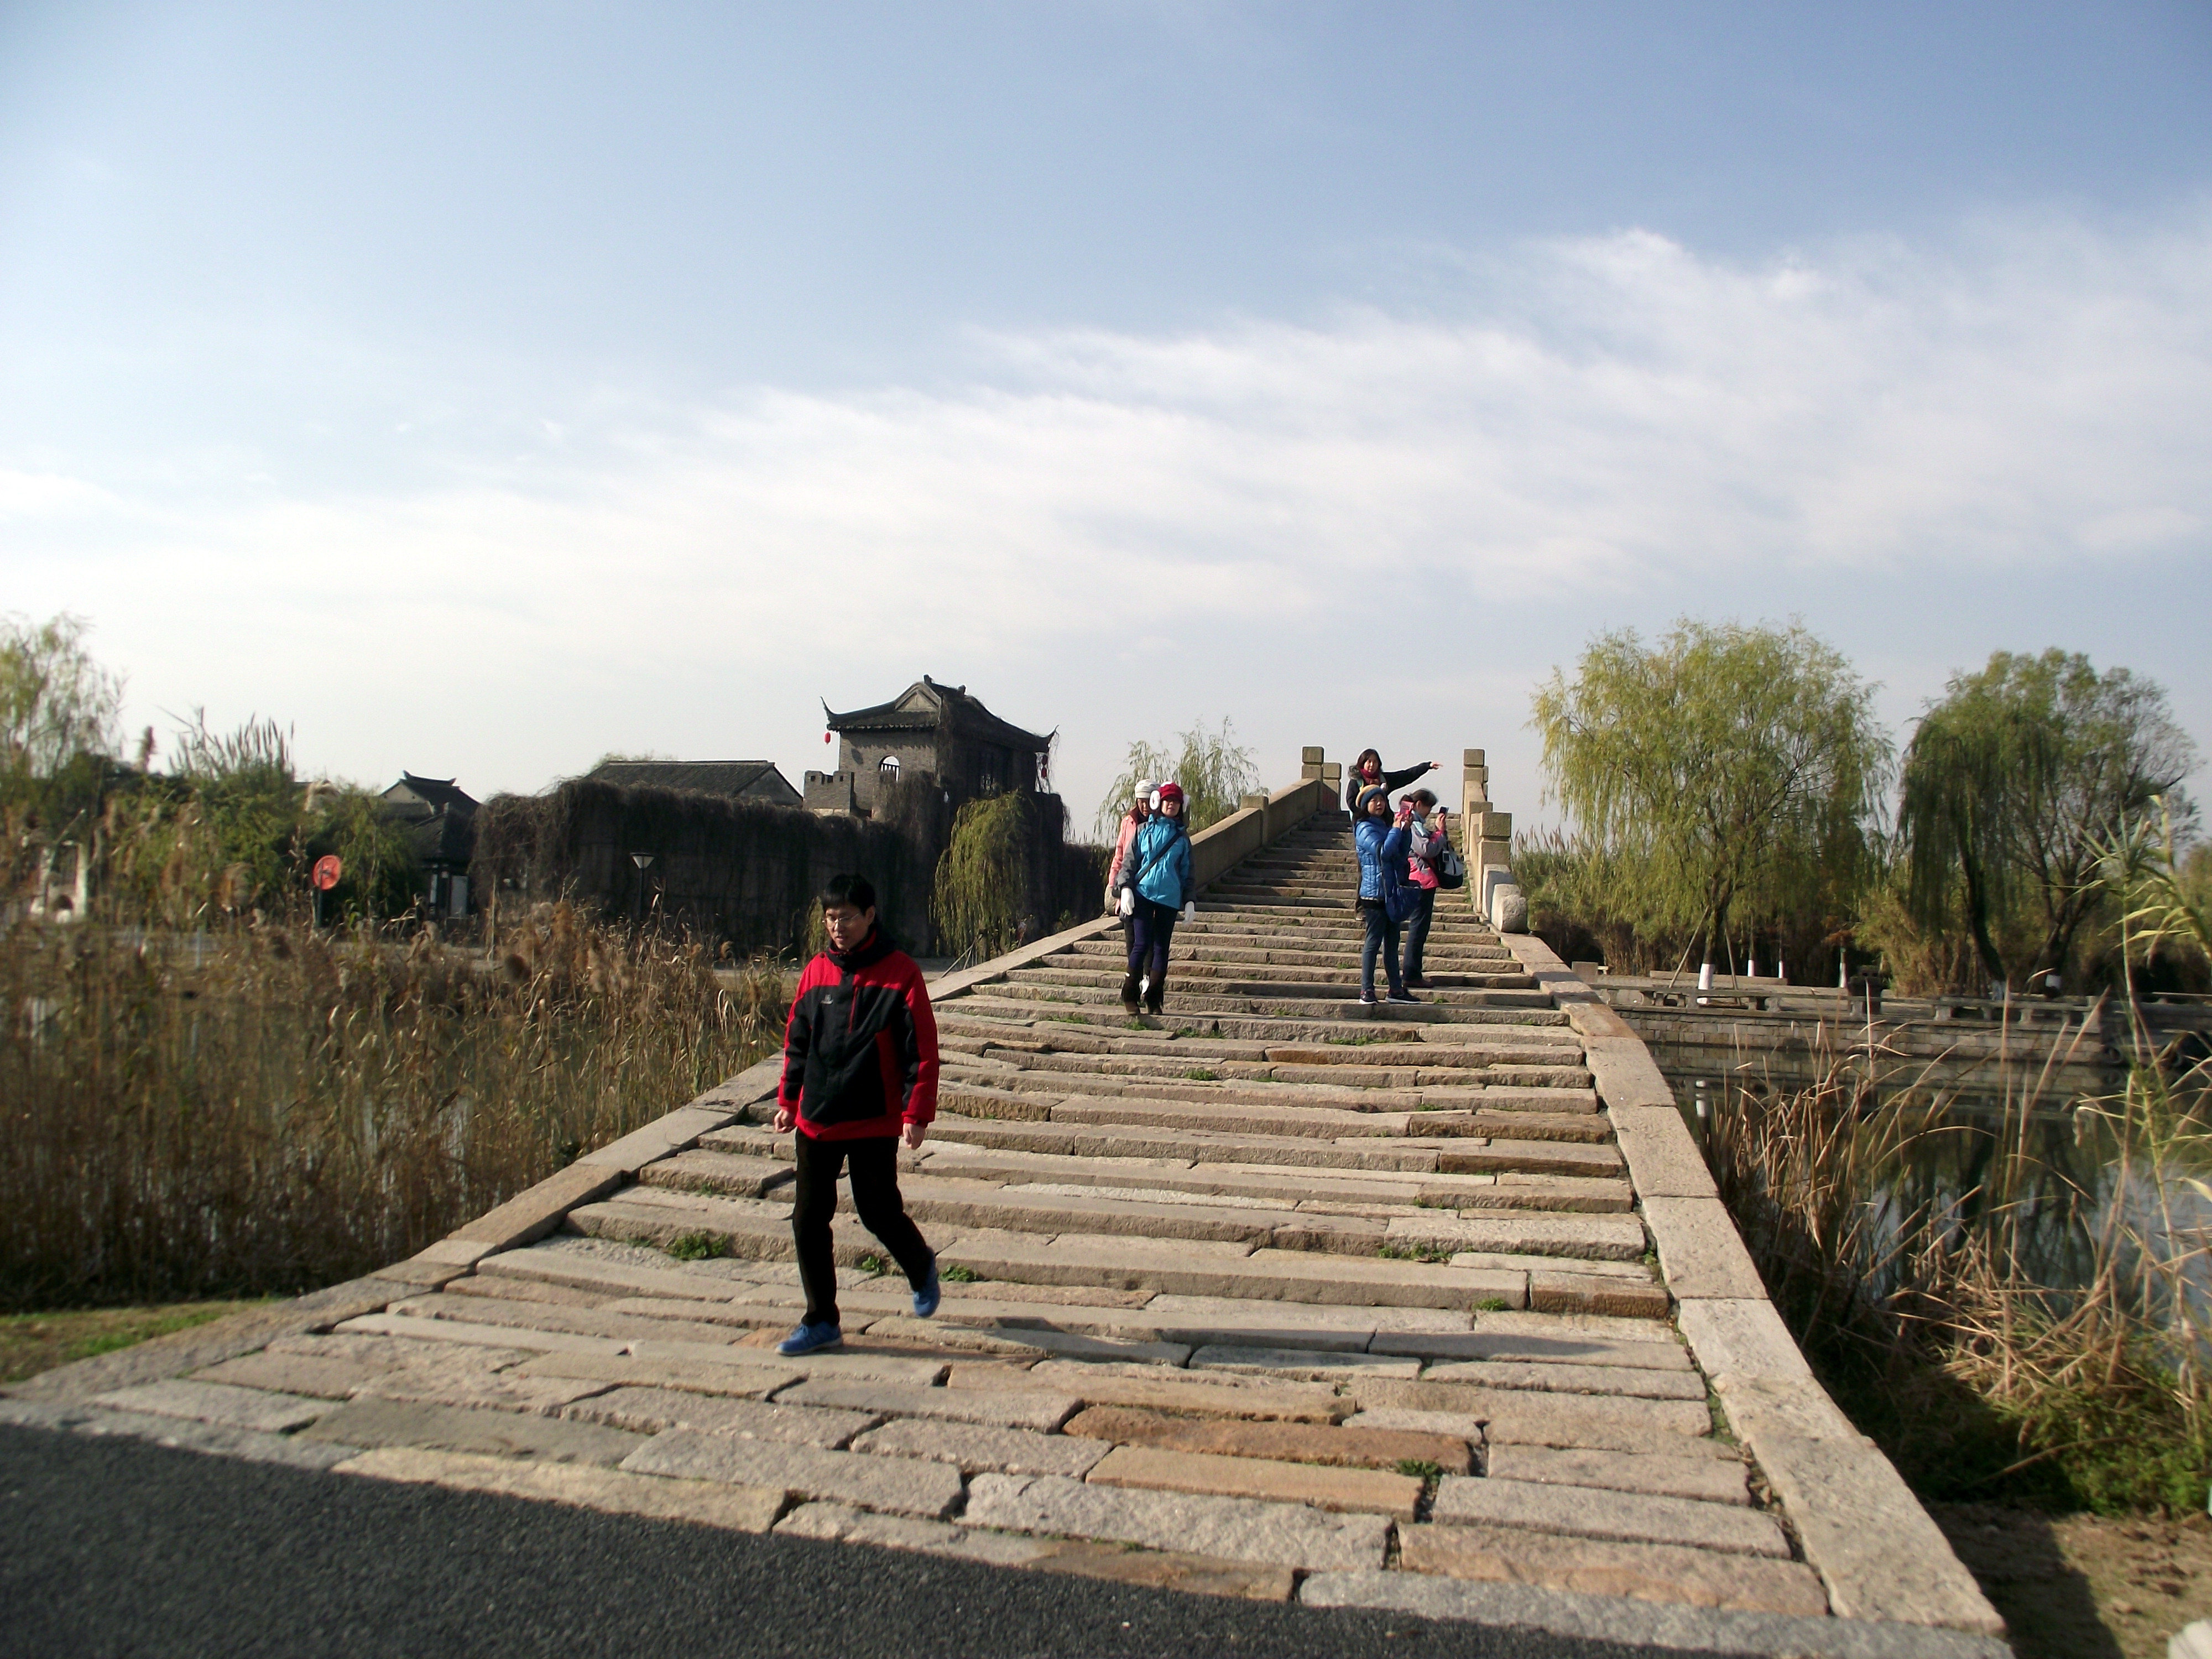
(1155, 874)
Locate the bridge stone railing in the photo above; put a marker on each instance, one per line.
(1486, 844)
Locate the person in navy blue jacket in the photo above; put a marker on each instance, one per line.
(1381, 842)
(1156, 871)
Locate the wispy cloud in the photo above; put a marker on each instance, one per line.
(1612, 418)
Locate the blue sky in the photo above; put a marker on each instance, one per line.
(481, 389)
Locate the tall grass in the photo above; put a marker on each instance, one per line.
(267, 1108)
(2015, 1335)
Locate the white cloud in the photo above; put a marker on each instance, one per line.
(1117, 532)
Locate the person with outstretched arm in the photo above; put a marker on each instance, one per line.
(859, 1076)
(1367, 773)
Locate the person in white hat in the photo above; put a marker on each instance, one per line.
(1141, 808)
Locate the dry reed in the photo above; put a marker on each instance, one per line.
(268, 1109)
(1929, 1310)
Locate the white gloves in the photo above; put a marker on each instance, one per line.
(1190, 910)
(1127, 906)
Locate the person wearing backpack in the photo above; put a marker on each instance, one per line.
(1384, 894)
(1427, 839)
(1155, 883)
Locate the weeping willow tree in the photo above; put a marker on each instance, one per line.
(1722, 775)
(1212, 768)
(2012, 787)
(983, 878)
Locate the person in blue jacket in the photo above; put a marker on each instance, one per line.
(1381, 842)
(1156, 871)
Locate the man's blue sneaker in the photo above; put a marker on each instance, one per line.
(927, 1298)
(807, 1337)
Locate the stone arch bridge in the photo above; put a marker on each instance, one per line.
(1432, 1309)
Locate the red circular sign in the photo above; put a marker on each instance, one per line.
(327, 871)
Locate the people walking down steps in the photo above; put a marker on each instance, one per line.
(859, 1074)
(1385, 895)
(1367, 773)
(1156, 883)
(1427, 837)
(1141, 808)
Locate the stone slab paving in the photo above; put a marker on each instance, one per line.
(1428, 1307)
(649, 1411)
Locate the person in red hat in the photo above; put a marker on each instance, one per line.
(1155, 874)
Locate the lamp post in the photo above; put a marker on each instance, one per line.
(637, 908)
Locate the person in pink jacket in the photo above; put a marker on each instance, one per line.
(1132, 821)
(1426, 838)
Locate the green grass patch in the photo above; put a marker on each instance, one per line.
(872, 1263)
(956, 1274)
(1492, 1304)
(1421, 1468)
(697, 1246)
(1408, 1253)
(35, 1342)
(1200, 1075)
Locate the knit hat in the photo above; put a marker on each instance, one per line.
(1171, 791)
(1369, 794)
(1143, 790)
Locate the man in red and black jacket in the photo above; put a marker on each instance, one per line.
(860, 1071)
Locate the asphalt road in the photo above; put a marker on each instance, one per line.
(114, 1547)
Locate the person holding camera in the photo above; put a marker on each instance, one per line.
(1384, 899)
(1428, 834)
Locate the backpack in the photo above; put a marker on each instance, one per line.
(1450, 868)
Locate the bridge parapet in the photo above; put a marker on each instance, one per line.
(1486, 844)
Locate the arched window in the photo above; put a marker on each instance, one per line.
(888, 769)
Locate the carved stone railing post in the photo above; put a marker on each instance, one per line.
(1488, 849)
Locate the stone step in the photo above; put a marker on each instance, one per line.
(1249, 979)
(1295, 1442)
(1367, 1152)
(1300, 1187)
(1460, 1047)
(976, 1448)
(1509, 1417)
(895, 1486)
(652, 1411)
(1707, 1479)
(1213, 948)
(1617, 1517)
(1193, 1268)
(1325, 1486)
(1238, 1530)
(1026, 1009)
(1438, 1006)
(1647, 1572)
(1448, 1091)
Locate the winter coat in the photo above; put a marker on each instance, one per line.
(1381, 858)
(1131, 823)
(1157, 864)
(1392, 782)
(1425, 844)
(859, 1051)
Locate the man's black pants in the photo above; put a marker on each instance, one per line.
(873, 1160)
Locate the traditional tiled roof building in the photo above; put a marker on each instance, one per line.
(932, 730)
